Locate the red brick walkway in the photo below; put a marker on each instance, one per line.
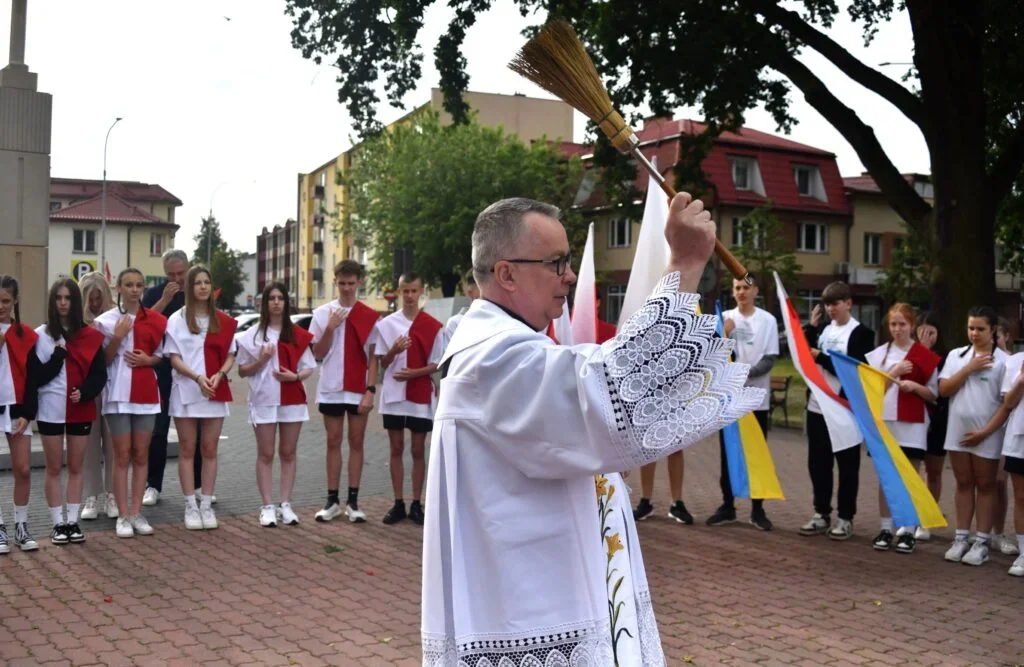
(349, 595)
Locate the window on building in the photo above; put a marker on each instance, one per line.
(85, 241)
(320, 290)
(54, 206)
(323, 179)
(806, 300)
(619, 233)
(744, 234)
(812, 237)
(616, 297)
(741, 174)
(868, 314)
(803, 180)
(746, 176)
(156, 245)
(872, 249)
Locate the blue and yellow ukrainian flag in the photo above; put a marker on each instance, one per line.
(905, 492)
(751, 468)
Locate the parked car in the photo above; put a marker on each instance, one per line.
(303, 320)
(246, 321)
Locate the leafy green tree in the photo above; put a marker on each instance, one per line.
(765, 250)
(910, 275)
(965, 91)
(421, 185)
(225, 264)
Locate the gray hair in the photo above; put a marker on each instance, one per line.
(174, 254)
(499, 229)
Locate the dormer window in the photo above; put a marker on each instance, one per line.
(746, 176)
(808, 182)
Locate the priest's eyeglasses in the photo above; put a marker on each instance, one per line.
(560, 264)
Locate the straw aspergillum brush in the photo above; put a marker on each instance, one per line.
(556, 61)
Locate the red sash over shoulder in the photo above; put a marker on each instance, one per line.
(421, 334)
(82, 349)
(18, 348)
(605, 331)
(911, 407)
(358, 327)
(148, 332)
(288, 355)
(216, 348)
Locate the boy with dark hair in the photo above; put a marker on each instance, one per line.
(841, 333)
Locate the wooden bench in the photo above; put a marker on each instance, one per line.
(779, 395)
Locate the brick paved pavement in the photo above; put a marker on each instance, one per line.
(349, 595)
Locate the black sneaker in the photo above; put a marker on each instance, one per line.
(396, 513)
(760, 520)
(679, 513)
(23, 538)
(5, 546)
(722, 515)
(643, 510)
(416, 513)
(905, 543)
(59, 535)
(883, 541)
(75, 534)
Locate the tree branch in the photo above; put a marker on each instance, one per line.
(901, 195)
(1007, 167)
(901, 98)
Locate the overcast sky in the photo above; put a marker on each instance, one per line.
(226, 113)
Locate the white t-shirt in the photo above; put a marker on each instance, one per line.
(330, 385)
(392, 395)
(192, 350)
(973, 405)
(756, 336)
(1013, 441)
(833, 338)
(907, 434)
(119, 375)
(264, 389)
(53, 396)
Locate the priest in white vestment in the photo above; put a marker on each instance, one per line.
(514, 560)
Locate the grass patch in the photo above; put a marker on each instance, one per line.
(333, 549)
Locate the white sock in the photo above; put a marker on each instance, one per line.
(887, 523)
(962, 535)
(73, 512)
(207, 501)
(984, 538)
(1, 516)
(21, 514)
(1020, 540)
(190, 502)
(57, 515)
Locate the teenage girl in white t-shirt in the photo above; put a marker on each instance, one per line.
(972, 376)
(904, 408)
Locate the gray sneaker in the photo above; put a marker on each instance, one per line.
(816, 526)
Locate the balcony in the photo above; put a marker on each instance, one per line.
(318, 247)
(318, 220)
(318, 275)
(318, 192)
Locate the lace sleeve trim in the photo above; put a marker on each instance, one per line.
(669, 377)
(650, 639)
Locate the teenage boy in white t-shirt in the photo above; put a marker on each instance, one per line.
(756, 332)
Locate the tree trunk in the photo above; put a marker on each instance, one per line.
(449, 282)
(948, 55)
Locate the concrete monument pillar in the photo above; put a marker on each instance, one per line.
(25, 116)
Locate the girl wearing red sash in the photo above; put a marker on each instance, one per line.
(98, 468)
(201, 345)
(905, 408)
(276, 357)
(73, 373)
(133, 336)
(18, 364)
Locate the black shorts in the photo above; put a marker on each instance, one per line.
(338, 409)
(414, 424)
(1014, 465)
(50, 428)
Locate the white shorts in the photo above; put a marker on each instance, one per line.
(6, 425)
(200, 410)
(277, 414)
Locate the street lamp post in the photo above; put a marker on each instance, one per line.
(103, 204)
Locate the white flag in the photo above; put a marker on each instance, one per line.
(584, 312)
(652, 253)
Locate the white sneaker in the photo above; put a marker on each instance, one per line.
(956, 551)
(1017, 569)
(288, 515)
(977, 555)
(150, 497)
(193, 521)
(124, 527)
(209, 519)
(922, 534)
(328, 513)
(141, 526)
(268, 516)
(843, 530)
(354, 514)
(1005, 545)
(112, 512)
(816, 526)
(89, 512)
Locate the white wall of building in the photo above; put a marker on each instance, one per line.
(247, 298)
(61, 251)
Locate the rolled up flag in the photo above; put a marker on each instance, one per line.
(748, 459)
(905, 492)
